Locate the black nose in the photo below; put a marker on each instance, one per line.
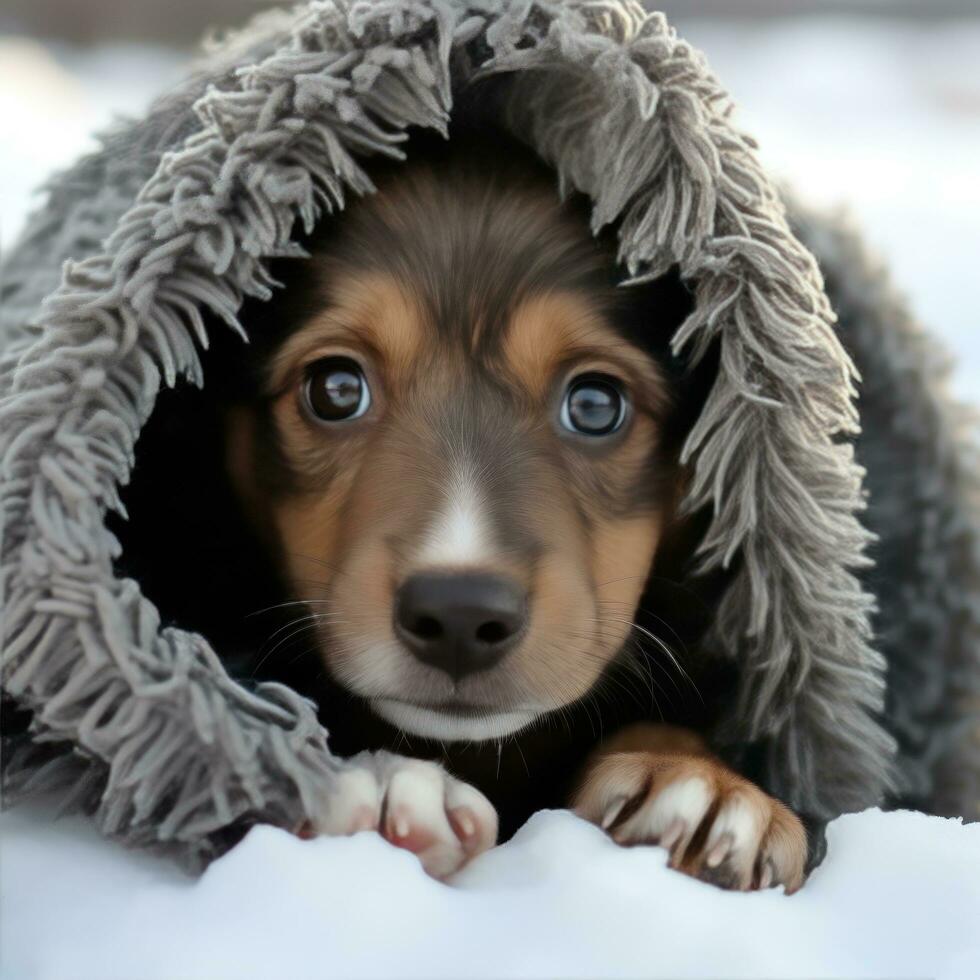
(460, 623)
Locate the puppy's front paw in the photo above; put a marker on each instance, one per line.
(716, 825)
(413, 804)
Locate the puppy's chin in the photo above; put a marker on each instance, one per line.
(452, 725)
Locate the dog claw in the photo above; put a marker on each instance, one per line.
(613, 812)
(672, 834)
(719, 852)
(463, 823)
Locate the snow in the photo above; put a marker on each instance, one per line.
(53, 98)
(898, 896)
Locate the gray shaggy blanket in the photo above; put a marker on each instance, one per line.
(839, 585)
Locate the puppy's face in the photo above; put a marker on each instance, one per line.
(460, 469)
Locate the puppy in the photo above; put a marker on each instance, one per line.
(462, 459)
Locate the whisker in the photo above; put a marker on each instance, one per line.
(311, 622)
(665, 647)
(282, 605)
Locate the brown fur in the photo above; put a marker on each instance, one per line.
(357, 491)
(626, 777)
(470, 301)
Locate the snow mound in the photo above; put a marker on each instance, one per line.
(898, 896)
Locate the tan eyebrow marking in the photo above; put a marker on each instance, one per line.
(552, 330)
(366, 312)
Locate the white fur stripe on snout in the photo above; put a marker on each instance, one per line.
(460, 533)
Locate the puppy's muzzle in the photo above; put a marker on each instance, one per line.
(460, 623)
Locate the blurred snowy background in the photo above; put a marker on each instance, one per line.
(872, 105)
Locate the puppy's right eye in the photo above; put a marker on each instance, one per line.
(336, 390)
(594, 405)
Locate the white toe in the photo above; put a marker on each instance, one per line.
(443, 821)
(475, 819)
(735, 835)
(416, 818)
(355, 803)
(673, 815)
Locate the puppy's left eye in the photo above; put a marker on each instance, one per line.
(336, 389)
(594, 405)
